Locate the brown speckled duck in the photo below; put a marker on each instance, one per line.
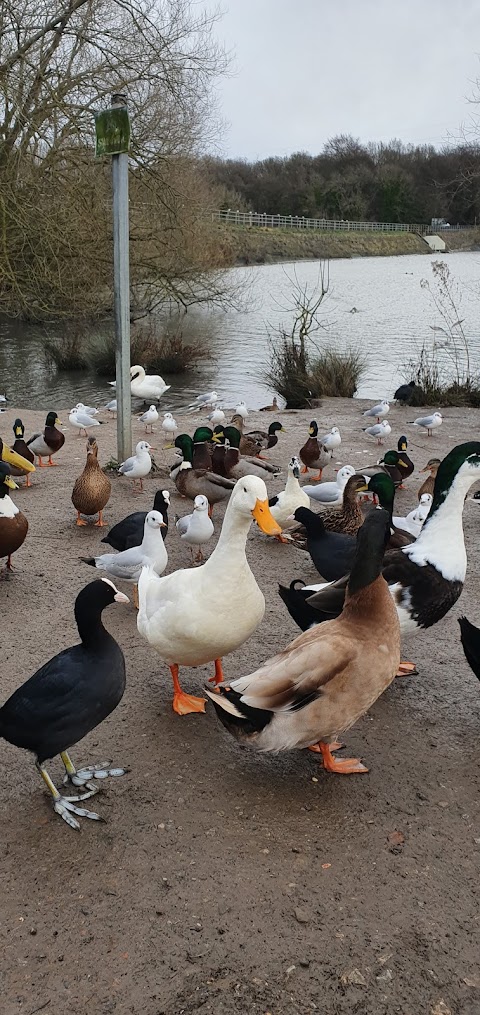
(92, 489)
(13, 524)
(349, 517)
(429, 483)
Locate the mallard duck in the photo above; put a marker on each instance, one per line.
(312, 454)
(92, 489)
(392, 464)
(146, 386)
(379, 411)
(404, 463)
(429, 423)
(126, 566)
(20, 448)
(139, 465)
(470, 638)
(13, 459)
(68, 697)
(264, 439)
(202, 445)
(331, 493)
(383, 487)
(197, 528)
(283, 505)
(235, 466)
(348, 518)
(148, 418)
(428, 484)
(274, 407)
(425, 578)
(321, 683)
(13, 524)
(232, 437)
(129, 532)
(196, 617)
(49, 442)
(379, 431)
(246, 444)
(191, 482)
(332, 553)
(414, 520)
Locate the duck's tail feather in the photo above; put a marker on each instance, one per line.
(470, 638)
(241, 720)
(295, 600)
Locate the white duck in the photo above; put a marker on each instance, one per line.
(139, 465)
(331, 493)
(82, 421)
(169, 424)
(195, 617)
(197, 528)
(332, 439)
(379, 411)
(379, 430)
(127, 565)
(415, 519)
(149, 418)
(291, 498)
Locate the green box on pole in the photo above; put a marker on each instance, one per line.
(112, 131)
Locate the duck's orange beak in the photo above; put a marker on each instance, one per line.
(264, 518)
(11, 458)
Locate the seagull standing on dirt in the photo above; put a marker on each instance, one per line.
(82, 420)
(139, 465)
(208, 399)
(197, 528)
(169, 424)
(241, 409)
(379, 411)
(112, 407)
(332, 439)
(149, 418)
(429, 423)
(379, 430)
(217, 416)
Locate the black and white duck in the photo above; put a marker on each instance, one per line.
(425, 578)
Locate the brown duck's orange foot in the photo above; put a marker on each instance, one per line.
(55, 464)
(407, 670)
(318, 477)
(80, 521)
(28, 483)
(100, 522)
(336, 746)
(344, 766)
(304, 469)
(9, 563)
(40, 464)
(184, 703)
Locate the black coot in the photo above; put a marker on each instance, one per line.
(129, 532)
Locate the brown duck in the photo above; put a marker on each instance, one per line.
(13, 524)
(313, 454)
(92, 489)
(428, 485)
(349, 517)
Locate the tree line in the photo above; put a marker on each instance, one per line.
(348, 180)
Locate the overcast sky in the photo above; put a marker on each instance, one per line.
(305, 70)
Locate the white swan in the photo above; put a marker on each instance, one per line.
(196, 617)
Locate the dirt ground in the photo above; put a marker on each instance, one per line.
(223, 881)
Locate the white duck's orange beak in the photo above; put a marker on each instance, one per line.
(264, 518)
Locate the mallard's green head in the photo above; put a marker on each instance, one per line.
(463, 461)
(233, 435)
(382, 486)
(185, 444)
(202, 433)
(390, 458)
(275, 428)
(313, 428)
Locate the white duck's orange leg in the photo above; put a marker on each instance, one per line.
(184, 703)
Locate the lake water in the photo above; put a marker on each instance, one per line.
(375, 303)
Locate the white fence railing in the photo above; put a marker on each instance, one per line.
(254, 218)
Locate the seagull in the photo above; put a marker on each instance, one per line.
(139, 465)
(207, 400)
(112, 406)
(331, 493)
(89, 409)
(149, 418)
(241, 409)
(332, 439)
(169, 424)
(415, 519)
(3, 398)
(217, 416)
(379, 411)
(197, 528)
(128, 564)
(379, 430)
(82, 421)
(428, 422)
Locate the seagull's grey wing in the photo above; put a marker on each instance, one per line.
(127, 466)
(85, 420)
(182, 525)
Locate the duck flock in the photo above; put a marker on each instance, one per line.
(381, 576)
